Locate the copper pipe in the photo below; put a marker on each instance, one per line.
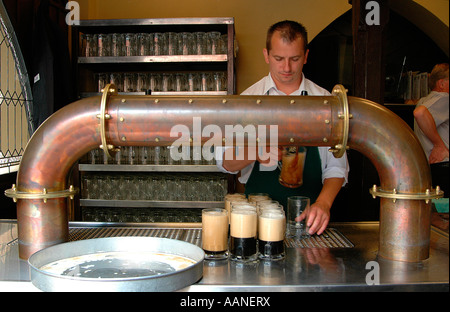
(148, 120)
(402, 165)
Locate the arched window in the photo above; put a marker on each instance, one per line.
(15, 98)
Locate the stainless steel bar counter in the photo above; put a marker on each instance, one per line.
(343, 259)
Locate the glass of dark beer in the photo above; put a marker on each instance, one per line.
(271, 232)
(243, 237)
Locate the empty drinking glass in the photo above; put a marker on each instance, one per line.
(172, 43)
(103, 45)
(142, 44)
(200, 43)
(117, 44)
(130, 44)
(159, 44)
(185, 43)
(213, 42)
(129, 82)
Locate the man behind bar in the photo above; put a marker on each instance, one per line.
(286, 53)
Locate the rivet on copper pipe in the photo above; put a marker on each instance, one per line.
(44, 191)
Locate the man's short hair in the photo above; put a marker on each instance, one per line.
(440, 71)
(289, 30)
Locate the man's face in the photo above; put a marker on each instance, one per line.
(286, 60)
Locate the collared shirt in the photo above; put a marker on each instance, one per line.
(331, 167)
(266, 86)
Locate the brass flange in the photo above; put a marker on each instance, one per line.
(110, 89)
(339, 149)
(394, 195)
(15, 194)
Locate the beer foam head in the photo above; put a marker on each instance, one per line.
(272, 214)
(249, 211)
(243, 207)
(214, 212)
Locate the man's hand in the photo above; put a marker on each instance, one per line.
(317, 217)
(438, 154)
(318, 214)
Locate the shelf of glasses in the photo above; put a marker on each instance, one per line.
(148, 168)
(150, 203)
(152, 59)
(169, 93)
(157, 21)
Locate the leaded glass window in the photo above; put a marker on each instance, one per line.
(15, 98)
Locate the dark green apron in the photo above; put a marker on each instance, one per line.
(267, 181)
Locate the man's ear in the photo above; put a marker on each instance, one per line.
(266, 55)
(306, 56)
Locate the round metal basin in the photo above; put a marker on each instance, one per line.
(117, 264)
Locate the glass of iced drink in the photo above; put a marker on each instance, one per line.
(293, 161)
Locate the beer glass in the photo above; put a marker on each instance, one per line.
(130, 44)
(213, 42)
(256, 197)
(103, 44)
(117, 44)
(243, 239)
(271, 232)
(200, 43)
(185, 43)
(229, 199)
(172, 43)
(143, 44)
(215, 233)
(159, 43)
(295, 207)
(293, 161)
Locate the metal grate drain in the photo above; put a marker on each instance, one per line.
(331, 238)
(193, 236)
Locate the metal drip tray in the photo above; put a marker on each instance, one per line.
(117, 264)
(193, 236)
(331, 238)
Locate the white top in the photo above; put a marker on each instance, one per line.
(331, 167)
(437, 105)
